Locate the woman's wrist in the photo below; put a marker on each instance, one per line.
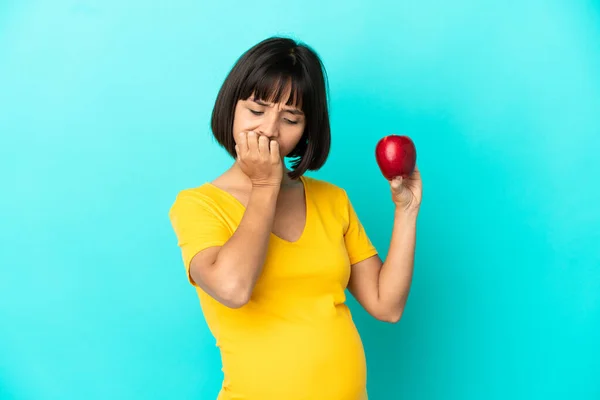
(404, 215)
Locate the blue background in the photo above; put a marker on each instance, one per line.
(104, 117)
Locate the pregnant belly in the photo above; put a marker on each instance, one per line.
(293, 361)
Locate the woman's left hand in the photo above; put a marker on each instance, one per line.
(406, 192)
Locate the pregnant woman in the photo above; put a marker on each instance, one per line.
(271, 251)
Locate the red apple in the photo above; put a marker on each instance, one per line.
(396, 155)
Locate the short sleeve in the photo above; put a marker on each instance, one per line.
(197, 225)
(358, 244)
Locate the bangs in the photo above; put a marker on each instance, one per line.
(275, 86)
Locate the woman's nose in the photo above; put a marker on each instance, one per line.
(269, 128)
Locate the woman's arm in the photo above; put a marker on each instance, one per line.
(382, 288)
(228, 273)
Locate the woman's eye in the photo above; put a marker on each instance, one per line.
(289, 121)
(256, 112)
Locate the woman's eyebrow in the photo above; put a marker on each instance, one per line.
(294, 111)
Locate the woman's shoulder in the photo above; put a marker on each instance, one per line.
(202, 191)
(205, 195)
(325, 188)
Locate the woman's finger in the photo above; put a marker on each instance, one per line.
(263, 146)
(242, 143)
(252, 143)
(397, 182)
(274, 147)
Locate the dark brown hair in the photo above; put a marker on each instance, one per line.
(264, 71)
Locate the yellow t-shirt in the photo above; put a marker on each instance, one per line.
(295, 339)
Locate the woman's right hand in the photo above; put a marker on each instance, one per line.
(259, 159)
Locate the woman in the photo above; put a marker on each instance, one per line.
(271, 251)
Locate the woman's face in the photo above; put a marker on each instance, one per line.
(279, 122)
